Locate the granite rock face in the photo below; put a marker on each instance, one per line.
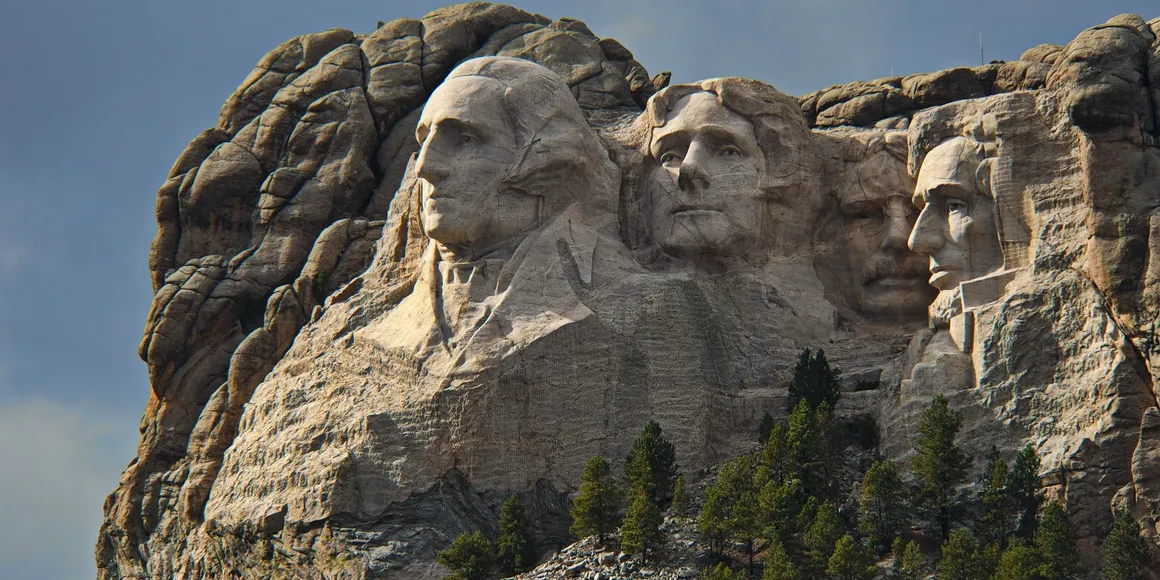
(414, 271)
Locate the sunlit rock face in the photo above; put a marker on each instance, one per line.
(414, 271)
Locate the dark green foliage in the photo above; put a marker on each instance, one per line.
(765, 427)
(640, 532)
(1055, 545)
(470, 557)
(822, 534)
(958, 557)
(909, 561)
(716, 523)
(777, 456)
(780, 504)
(810, 455)
(652, 464)
(721, 572)
(1018, 562)
(807, 514)
(745, 523)
(596, 509)
(680, 506)
(813, 381)
(850, 561)
(1125, 554)
(1022, 490)
(939, 464)
(882, 510)
(995, 505)
(515, 550)
(778, 566)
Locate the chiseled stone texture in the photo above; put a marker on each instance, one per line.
(358, 348)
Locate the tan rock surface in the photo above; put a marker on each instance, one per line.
(398, 282)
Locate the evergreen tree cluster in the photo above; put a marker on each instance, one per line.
(777, 508)
(474, 557)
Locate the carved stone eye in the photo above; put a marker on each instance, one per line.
(670, 157)
(730, 151)
(466, 138)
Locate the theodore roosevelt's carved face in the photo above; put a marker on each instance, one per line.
(469, 148)
(956, 225)
(885, 277)
(706, 197)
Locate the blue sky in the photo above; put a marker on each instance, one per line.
(100, 98)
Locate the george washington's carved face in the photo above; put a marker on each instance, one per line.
(706, 196)
(469, 147)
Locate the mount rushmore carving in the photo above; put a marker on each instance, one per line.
(414, 270)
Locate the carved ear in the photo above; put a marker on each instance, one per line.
(983, 176)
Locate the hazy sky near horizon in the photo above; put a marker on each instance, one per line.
(101, 98)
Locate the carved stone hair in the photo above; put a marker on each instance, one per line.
(778, 122)
(547, 121)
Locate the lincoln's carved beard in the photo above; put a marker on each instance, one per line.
(946, 306)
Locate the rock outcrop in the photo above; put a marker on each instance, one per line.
(414, 271)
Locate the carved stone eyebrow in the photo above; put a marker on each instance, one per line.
(667, 141)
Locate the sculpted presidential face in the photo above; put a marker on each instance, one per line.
(956, 226)
(886, 278)
(706, 196)
(469, 148)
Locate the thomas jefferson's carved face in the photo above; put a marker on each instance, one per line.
(956, 224)
(468, 148)
(706, 197)
(885, 277)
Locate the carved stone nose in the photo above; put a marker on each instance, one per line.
(926, 237)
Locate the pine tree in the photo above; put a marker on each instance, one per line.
(652, 463)
(470, 557)
(744, 523)
(596, 509)
(908, 559)
(778, 566)
(882, 510)
(822, 535)
(957, 562)
(680, 506)
(1018, 562)
(806, 515)
(711, 521)
(1055, 544)
(515, 551)
(720, 572)
(780, 504)
(826, 452)
(777, 454)
(940, 465)
(850, 561)
(1125, 555)
(1022, 491)
(717, 522)
(813, 381)
(641, 530)
(806, 450)
(995, 505)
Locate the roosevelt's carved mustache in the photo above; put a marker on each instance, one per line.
(902, 266)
